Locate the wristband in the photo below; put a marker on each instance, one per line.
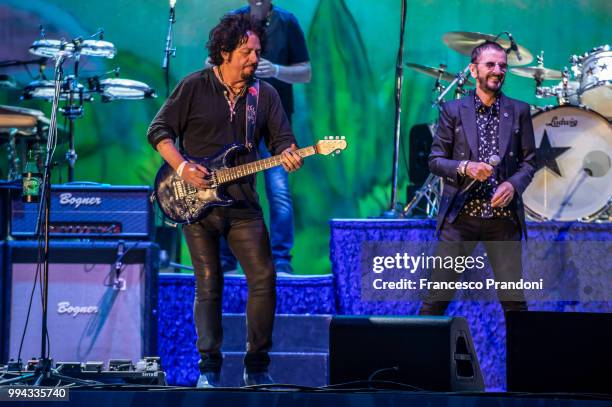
(276, 70)
(180, 168)
(462, 167)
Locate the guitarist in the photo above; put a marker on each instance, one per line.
(206, 112)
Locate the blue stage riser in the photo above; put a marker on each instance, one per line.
(485, 318)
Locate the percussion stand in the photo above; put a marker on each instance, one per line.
(72, 111)
(44, 368)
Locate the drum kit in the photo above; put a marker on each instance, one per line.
(25, 129)
(573, 181)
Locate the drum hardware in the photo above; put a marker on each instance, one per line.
(71, 90)
(20, 127)
(539, 73)
(7, 82)
(440, 74)
(431, 192)
(594, 72)
(49, 48)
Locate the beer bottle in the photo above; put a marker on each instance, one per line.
(32, 179)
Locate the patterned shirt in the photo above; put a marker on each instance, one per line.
(478, 202)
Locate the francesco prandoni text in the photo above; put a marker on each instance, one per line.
(458, 264)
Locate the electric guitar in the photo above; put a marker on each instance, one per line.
(183, 203)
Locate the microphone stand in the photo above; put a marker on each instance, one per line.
(169, 51)
(44, 368)
(392, 211)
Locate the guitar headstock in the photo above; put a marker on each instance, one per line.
(330, 145)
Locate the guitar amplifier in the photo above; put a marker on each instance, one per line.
(89, 211)
(102, 300)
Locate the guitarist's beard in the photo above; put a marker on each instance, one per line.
(248, 73)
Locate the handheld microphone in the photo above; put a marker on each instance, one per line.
(514, 47)
(493, 161)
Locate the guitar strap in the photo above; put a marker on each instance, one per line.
(252, 99)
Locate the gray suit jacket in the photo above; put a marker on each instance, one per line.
(456, 139)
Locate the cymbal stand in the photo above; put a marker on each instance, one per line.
(438, 87)
(431, 192)
(459, 80)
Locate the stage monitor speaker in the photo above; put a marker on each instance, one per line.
(559, 352)
(102, 300)
(430, 353)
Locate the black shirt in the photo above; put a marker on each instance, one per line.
(198, 114)
(285, 45)
(478, 202)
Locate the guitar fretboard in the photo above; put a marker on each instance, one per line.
(231, 174)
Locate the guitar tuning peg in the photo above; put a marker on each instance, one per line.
(326, 138)
(337, 137)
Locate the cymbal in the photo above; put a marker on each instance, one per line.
(435, 73)
(537, 72)
(464, 42)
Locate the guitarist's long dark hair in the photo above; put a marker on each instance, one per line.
(230, 33)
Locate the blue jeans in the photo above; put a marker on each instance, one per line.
(281, 218)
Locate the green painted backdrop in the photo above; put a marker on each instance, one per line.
(353, 45)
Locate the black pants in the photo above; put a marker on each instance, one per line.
(502, 241)
(248, 239)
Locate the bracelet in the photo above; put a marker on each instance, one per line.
(180, 168)
(462, 168)
(276, 70)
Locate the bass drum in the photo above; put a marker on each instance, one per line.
(578, 143)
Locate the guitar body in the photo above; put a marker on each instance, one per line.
(183, 203)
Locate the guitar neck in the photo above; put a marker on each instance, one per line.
(234, 173)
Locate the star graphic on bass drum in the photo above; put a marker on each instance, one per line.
(546, 155)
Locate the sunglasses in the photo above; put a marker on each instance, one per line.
(491, 65)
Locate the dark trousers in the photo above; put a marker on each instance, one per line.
(502, 241)
(248, 240)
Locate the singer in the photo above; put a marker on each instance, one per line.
(480, 201)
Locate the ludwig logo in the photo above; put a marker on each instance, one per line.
(67, 199)
(559, 122)
(64, 307)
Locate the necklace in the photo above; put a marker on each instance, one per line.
(231, 102)
(231, 88)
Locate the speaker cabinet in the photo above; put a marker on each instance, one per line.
(553, 352)
(431, 353)
(102, 300)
